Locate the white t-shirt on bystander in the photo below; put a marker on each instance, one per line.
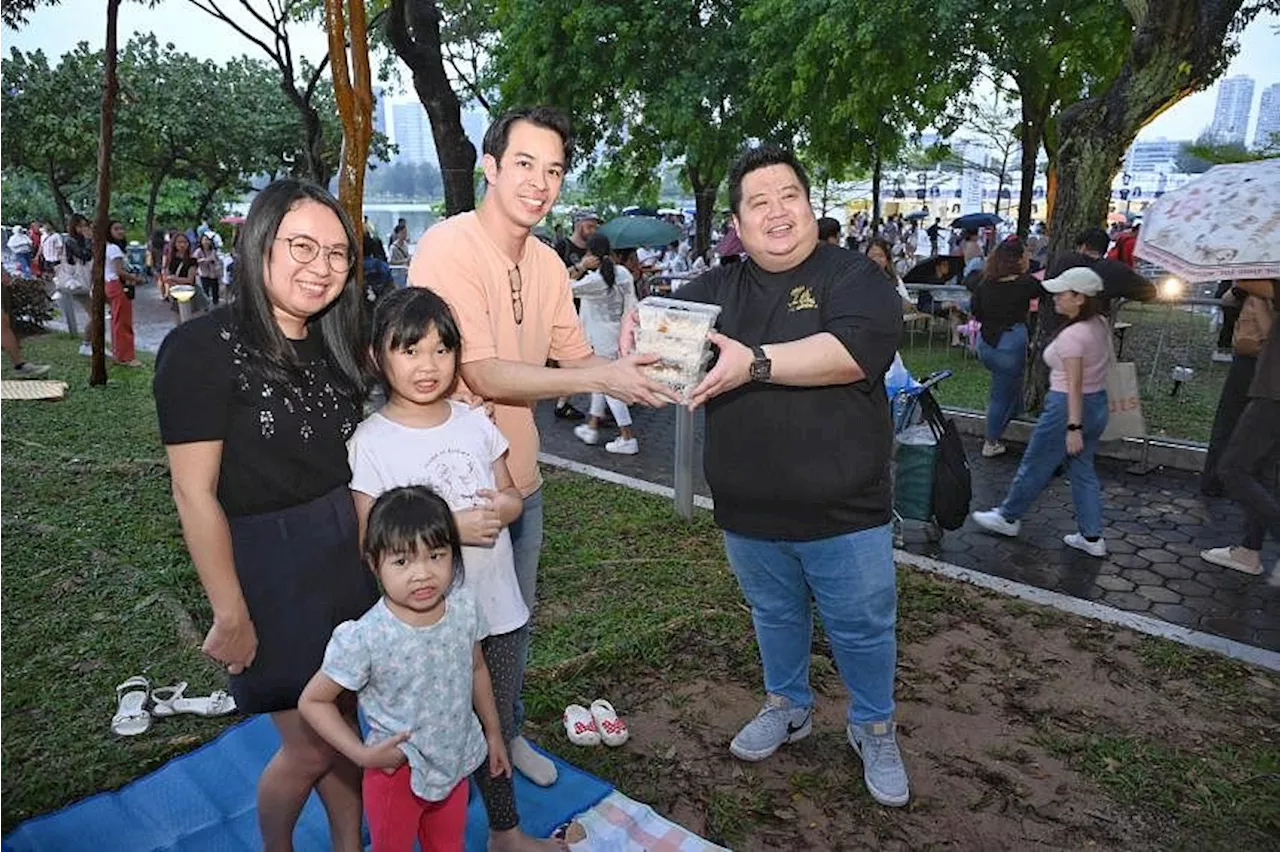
(114, 252)
(455, 459)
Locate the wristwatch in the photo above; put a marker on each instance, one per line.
(1074, 427)
(761, 367)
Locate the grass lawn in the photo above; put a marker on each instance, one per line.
(1160, 338)
(1022, 727)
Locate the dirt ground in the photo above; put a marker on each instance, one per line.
(1022, 729)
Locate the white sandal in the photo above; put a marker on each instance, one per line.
(613, 731)
(131, 716)
(580, 726)
(171, 703)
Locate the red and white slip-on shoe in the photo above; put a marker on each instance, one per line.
(580, 726)
(613, 731)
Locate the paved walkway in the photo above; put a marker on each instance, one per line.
(1156, 527)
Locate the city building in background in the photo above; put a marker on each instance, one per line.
(1231, 115)
(1267, 134)
(1156, 155)
(411, 131)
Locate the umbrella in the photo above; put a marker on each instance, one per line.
(935, 270)
(634, 231)
(973, 221)
(1221, 225)
(639, 211)
(916, 215)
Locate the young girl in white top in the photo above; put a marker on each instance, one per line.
(422, 437)
(608, 293)
(414, 659)
(1073, 418)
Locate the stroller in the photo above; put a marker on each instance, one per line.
(930, 471)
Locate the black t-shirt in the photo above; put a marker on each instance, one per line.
(1000, 305)
(794, 463)
(283, 444)
(569, 253)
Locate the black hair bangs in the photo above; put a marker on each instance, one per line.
(409, 519)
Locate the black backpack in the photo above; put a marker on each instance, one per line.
(952, 482)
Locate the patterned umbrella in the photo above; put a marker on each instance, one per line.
(1222, 225)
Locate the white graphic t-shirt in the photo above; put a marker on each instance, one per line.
(416, 679)
(456, 460)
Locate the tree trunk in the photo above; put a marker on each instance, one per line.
(60, 201)
(205, 201)
(1178, 47)
(877, 174)
(102, 215)
(355, 106)
(151, 204)
(1030, 135)
(704, 200)
(413, 28)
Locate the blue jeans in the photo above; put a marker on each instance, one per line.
(853, 580)
(1006, 361)
(526, 544)
(1048, 449)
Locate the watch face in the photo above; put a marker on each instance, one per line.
(760, 370)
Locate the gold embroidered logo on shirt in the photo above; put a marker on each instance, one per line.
(802, 300)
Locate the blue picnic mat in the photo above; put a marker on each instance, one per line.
(204, 802)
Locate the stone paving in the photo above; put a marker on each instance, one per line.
(1156, 526)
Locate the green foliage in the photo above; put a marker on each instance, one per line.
(647, 82)
(54, 113)
(857, 78)
(1205, 153)
(404, 180)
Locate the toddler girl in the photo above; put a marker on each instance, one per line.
(414, 660)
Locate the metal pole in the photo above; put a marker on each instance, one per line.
(683, 463)
(184, 311)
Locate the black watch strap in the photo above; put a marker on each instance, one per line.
(1074, 427)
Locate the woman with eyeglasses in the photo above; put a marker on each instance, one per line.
(256, 402)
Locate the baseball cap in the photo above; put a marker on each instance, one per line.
(1077, 279)
(584, 215)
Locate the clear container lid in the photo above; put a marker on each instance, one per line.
(676, 317)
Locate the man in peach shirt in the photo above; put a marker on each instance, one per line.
(511, 296)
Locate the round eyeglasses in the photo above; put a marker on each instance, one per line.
(304, 250)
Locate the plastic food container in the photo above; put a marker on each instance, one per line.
(676, 331)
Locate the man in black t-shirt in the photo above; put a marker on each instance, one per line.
(573, 251)
(797, 456)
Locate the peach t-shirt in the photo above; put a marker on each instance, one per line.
(458, 260)
(1090, 342)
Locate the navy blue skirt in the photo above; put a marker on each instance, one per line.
(301, 575)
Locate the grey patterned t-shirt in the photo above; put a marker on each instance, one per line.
(416, 679)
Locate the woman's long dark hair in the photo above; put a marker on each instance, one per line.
(341, 325)
(121, 243)
(882, 244)
(598, 244)
(1005, 260)
(180, 262)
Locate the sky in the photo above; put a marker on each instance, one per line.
(55, 30)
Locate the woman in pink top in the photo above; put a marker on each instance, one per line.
(1074, 416)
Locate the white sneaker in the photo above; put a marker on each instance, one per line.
(1079, 542)
(1236, 558)
(623, 446)
(28, 370)
(991, 449)
(587, 434)
(993, 521)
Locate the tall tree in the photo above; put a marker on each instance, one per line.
(653, 81)
(58, 136)
(102, 215)
(353, 89)
(414, 29)
(1054, 52)
(858, 78)
(163, 122)
(299, 80)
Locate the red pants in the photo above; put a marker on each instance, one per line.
(396, 815)
(121, 323)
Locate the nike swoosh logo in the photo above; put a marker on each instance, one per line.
(791, 729)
